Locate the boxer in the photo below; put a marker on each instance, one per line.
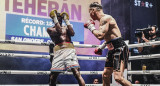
(118, 50)
(64, 53)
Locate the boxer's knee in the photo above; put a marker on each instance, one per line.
(106, 75)
(119, 79)
(51, 76)
(52, 81)
(77, 74)
(106, 78)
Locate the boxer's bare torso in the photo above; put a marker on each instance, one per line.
(109, 27)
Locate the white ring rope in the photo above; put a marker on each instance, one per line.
(44, 43)
(46, 72)
(150, 56)
(78, 45)
(48, 56)
(91, 58)
(24, 43)
(24, 55)
(144, 44)
(156, 72)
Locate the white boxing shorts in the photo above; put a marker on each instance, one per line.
(64, 58)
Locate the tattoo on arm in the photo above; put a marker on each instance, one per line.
(104, 26)
(103, 23)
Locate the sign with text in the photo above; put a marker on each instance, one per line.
(28, 20)
(33, 29)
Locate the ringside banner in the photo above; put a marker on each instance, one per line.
(28, 20)
(33, 29)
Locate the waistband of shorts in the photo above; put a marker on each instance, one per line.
(117, 42)
(63, 45)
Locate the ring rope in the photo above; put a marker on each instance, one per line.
(48, 56)
(24, 43)
(78, 45)
(144, 44)
(46, 72)
(149, 56)
(23, 55)
(156, 72)
(44, 43)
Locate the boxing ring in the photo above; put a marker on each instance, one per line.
(129, 72)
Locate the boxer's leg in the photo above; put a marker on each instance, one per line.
(119, 66)
(118, 76)
(53, 78)
(78, 76)
(72, 64)
(106, 76)
(108, 69)
(57, 67)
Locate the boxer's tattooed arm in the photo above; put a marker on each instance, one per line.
(104, 26)
(103, 29)
(103, 23)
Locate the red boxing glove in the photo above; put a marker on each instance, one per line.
(90, 25)
(98, 51)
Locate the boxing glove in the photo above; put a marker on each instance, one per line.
(98, 51)
(53, 15)
(65, 17)
(90, 25)
(100, 48)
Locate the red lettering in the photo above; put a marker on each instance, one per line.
(15, 6)
(6, 5)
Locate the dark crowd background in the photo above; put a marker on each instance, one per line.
(128, 16)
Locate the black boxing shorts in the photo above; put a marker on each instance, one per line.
(118, 50)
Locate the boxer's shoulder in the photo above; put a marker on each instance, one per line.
(106, 18)
(50, 29)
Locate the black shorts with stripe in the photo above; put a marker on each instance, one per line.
(119, 53)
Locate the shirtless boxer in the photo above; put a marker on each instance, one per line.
(118, 50)
(64, 52)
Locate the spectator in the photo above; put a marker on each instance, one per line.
(150, 64)
(137, 82)
(95, 81)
